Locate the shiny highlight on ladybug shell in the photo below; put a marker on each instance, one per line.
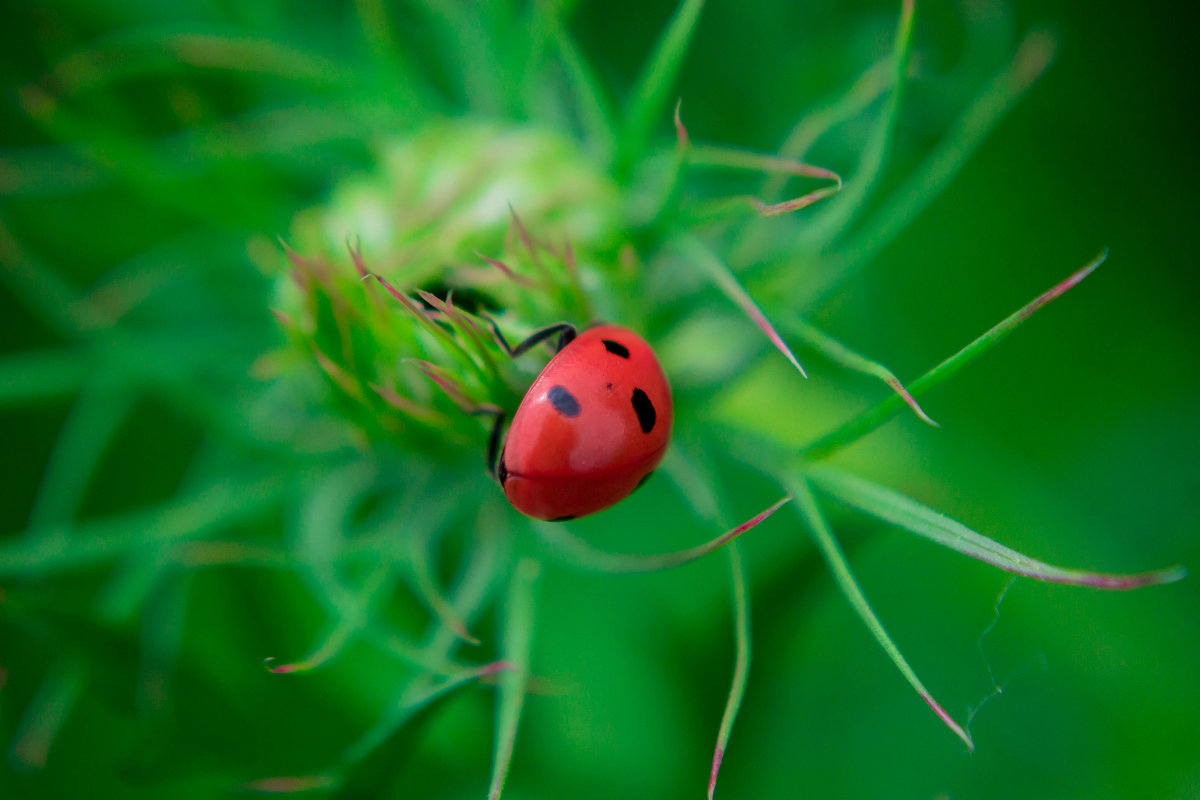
(590, 430)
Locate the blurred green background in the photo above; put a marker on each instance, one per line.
(1074, 441)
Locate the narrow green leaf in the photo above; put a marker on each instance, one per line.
(514, 683)
(575, 552)
(41, 375)
(448, 342)
(695, 253)
(483, 565)
(46, 713)
(810, 512)
(419, 696)
(163, 615)
(123, 595)
(430, 513)
(733, 158)
(936, 172)
(467, 329)
(595, 111)
(694, 482)
(405, 81)
(913, 517)
(709, 155)
(354, 609)
(869, 420)
(95, 418)
(837, 218)
(741, 667)
(819, 121)
(162, 49)
(44, 293)
(649, 99)
(838, 353)
(220, 505)
(752, 239)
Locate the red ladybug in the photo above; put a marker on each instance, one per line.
(591, 428)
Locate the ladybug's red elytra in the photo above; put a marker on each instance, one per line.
(590, 430)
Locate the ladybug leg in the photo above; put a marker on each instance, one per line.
(565, 331)
(493, 452)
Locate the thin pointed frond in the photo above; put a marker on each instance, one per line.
(514, 682)
(893, 507)
(831, 551)
(575, 552)
(869, 420)
(697, 254)
(649, 98)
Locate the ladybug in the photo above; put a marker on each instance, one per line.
(591, 429)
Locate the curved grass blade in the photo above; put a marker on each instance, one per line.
(223, 503)
(403, 80)
(709, 155)
(442, 336)
(810, 512)
(893, 507)
(42, 290)
(466, 327)
(649, 96)
(41, 375)
(898, 211)
(836, 219)
(575, 552)
(695, 253)
(419, 538)
(514, 683)
(869, 420)
(163, 615)
(354, 609)
(159, 50)
(741, 667)
(95, 418)
(411, 703)
(472, 590)
(816, 123)
(838, 353)
(595, 111)
(120, 599)
(733, 158)
(754, 238)
(688, 475)
(46, 714)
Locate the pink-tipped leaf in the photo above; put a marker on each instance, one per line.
(893, 507)
(578, 553)
(859, 426)
(810, 512)
(514, 683)
(701, 256)
(741, 666)
(837, 352)
(506, 270)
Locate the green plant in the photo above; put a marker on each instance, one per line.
(340, 471)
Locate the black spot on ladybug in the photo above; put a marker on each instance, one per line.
(642, 481)
(567, 518)
(564, 402)
(608, 387)
(616, 348)
(644, 410)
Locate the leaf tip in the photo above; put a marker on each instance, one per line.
(718, 756)
(270, 663)
(681, 134)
